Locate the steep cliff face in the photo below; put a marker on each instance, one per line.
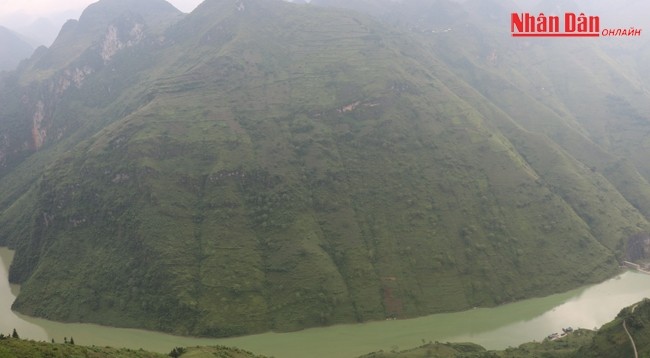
(54, 77)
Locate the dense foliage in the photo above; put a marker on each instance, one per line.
(17, 348)
(258, 165)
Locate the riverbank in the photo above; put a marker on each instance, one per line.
(11, 320)
(635, 267)
(493, 328)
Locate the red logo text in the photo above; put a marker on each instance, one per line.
(527, 25)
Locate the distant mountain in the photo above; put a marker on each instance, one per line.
(13, 49)
(260, 165)
(38, 31)
(41, 32)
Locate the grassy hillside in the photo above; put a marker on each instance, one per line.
(566, 347)
(260, 165)
(610, 340)
(17, 348)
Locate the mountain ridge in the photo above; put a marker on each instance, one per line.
(13, 49)
(227, 173)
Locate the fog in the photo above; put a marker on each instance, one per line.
(265, 158)
(40, 20)
(613, 13)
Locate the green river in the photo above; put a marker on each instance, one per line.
(494, 328)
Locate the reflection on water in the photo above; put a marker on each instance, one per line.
(9, 319)
(494, 328)
(590, 309)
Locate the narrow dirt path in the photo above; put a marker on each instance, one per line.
(636, 354)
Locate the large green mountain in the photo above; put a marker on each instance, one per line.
(259, 165)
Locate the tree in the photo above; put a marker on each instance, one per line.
(177, 352)
(15, 334)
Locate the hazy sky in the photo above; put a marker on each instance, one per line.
(20, 16)
(46, 7)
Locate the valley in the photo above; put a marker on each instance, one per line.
(331, 171)
(493, 328)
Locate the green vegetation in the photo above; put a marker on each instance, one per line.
(270, 166)
(610, 340)
(566, 347)
(17, 348)
(441, 350)
(218, 351)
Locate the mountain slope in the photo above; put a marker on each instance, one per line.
(574, 92)
(230, 173)
(13, 347)
(613, 340)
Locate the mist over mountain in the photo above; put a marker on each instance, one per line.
(42, 32)
(37, 30)
(13, 49)
(260, 165)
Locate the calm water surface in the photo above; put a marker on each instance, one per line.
(494, 328)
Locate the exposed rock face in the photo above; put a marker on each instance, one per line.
(253, 166)
(120, 37)
(71, 76)
(39, 133)
(43, 105)
(40, 99)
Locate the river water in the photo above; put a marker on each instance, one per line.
(494, 328)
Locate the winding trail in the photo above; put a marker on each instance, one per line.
(636, 354)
